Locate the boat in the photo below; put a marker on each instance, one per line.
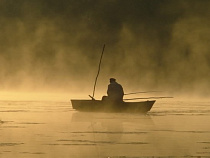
(93, 105)
(103, 106)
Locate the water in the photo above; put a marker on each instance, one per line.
(53, 129)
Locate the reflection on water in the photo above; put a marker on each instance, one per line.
(54, 129)
(113, 128)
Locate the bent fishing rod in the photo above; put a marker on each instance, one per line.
(148, 98)
(141, 92)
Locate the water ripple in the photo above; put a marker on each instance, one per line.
(10, 144)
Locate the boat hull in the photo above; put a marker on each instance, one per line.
(101, 106)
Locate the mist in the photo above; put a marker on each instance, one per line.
(150, 45)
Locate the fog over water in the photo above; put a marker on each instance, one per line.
(51, 48)
(150, 45)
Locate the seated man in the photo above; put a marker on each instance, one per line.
(115, 91)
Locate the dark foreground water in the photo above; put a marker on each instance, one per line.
(54, 130)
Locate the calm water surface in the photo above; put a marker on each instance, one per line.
(53, 129)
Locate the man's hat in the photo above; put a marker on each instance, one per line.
(112, 79)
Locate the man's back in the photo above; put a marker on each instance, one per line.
(115, 91)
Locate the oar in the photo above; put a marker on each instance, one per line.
(141, 92)
(148, 98)
(91, 97)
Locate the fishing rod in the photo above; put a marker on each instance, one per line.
(99, 67)
(148, 98)
(141, 92)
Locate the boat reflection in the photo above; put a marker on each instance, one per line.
(114, 125)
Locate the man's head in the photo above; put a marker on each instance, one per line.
(112, 80)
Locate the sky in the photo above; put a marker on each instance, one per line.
(49, 45)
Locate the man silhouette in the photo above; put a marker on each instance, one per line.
(115, 91)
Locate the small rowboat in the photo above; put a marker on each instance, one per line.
(107, 106)
(102, 106)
